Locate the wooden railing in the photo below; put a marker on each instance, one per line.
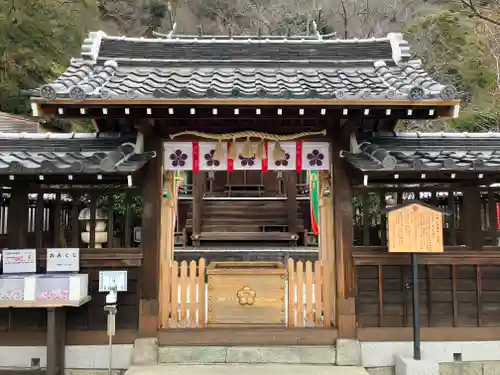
(309, 295)
(187, 308)
(310, 298)
(458, 288)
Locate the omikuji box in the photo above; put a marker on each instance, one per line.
(61, 287)
(13, 288)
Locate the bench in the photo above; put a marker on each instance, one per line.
(254, 190)
(245, 236)
(274, 228)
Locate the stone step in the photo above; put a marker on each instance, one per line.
(245, 369)
(322, 355)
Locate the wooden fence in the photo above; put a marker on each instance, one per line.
(310, 298)
(309, 295)
(188, 291)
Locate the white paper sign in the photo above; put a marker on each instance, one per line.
(63, 260)
(137, 234)
(19, 261)
(107, 279)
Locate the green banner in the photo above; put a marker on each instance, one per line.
(314, 199)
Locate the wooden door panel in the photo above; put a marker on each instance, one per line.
(253, 177)
(270, 182)
(236, 178)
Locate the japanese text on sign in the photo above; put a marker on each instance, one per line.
(415, 229)
(109, 279)
(63, 260)
(19, 261)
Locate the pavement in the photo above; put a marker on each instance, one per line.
(245, 369)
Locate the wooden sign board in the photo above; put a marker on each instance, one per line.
(415, 228)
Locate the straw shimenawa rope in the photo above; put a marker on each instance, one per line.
(248, 150)
(248, 134)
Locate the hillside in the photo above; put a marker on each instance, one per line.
(457, 40)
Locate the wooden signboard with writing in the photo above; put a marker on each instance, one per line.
(415, 228)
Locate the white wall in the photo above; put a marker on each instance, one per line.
(381, 354)
(77, 356)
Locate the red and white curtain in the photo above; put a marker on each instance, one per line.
(199, 156)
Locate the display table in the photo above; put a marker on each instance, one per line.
(56, 327)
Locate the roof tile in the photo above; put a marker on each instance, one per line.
(68, 153)
(427, 151)
(135, 68)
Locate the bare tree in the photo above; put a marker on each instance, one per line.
(133, 17)
(372, 18)
(250, 16)
(491, 36)
(488, 11)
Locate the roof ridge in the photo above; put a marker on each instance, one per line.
(93, 36)
(56, 136)
(92, 44)
(400, 48)
(448, 135)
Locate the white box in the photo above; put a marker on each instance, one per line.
(60, 287)
(12, 288)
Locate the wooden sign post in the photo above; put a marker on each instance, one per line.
(415, 227)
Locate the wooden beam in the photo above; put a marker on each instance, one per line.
(430, 334)
(342, 223)
(17, 224)
(197, 206)
(247, 336)
(262, 102)
(167, 230)
(150, 240)
(56, 335)
(290, 179)
(369, 257)
(472, 217)
(146, 127)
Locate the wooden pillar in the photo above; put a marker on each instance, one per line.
(198, 192)
(150, 238)
(343, 226)
(58, 238)
(56, 335)
(473, 233)
(17, 219)
(290, 179)
(169, 207)
(326, 249)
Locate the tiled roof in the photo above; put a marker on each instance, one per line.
(427, 151)
(133, 68)
(69, 153)
(17, 124)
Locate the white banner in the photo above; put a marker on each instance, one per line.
(178, 156)
(290, 160)
(315, 156)
(198, 156)
(207, 161)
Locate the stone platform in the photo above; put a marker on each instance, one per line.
(245, 369)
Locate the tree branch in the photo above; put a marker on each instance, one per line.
(475, 11)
